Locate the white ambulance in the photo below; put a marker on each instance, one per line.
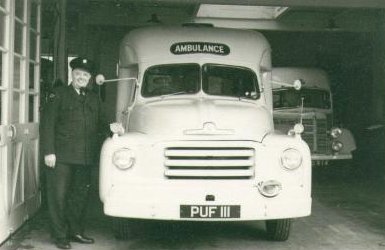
(313, 107)
(199, 141)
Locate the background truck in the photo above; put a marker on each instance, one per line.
(199, 141)
(313, 107)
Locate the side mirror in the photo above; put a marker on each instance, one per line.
(297, 84)
(100, 79)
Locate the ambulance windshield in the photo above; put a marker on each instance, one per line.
(172, 78)
(231, 81)
(220, 80)
(291, 98)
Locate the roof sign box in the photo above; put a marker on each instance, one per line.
(199, 47)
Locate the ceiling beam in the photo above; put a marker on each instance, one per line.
(286, 3)
(357, 25)
(130, 17)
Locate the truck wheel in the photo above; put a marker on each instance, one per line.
(121, 228)
(278, 230)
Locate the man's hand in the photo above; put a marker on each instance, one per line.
(50, 160)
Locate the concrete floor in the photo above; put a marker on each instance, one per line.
(348, 214)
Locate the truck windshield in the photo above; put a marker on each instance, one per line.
(231, 81)
(291, 98)
(221, 80)
(171, 79)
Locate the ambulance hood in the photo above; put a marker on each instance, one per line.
(191, 118)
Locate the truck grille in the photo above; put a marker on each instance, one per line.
(209, 162)
(315, 133)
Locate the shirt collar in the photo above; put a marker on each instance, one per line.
(77, 90)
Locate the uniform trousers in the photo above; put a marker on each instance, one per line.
(68, 189)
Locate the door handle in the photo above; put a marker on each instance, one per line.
(12, 131)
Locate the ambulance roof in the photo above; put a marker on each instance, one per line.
(312, 77)
(154, 43)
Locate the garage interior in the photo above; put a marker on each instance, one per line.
(345, 38)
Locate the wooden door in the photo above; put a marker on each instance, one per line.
(19, 99)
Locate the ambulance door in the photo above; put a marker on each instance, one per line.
(19, 100)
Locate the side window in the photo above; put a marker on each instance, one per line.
(128, 86)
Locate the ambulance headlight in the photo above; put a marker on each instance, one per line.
(291, 159)
(123, 158)
(337, 146)
(336, 132)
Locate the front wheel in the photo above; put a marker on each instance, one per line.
(278, 230)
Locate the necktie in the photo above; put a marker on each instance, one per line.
(82, 91)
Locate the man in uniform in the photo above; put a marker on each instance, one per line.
(71, 146)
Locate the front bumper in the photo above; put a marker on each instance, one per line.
(325, 157)
(162, 201)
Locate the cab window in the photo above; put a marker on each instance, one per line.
(171, 79)
(312, 98)
(224, 80)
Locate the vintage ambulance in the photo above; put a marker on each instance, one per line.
(313, 107)
(199, 141)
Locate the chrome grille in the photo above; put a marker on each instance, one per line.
(209, 162)
(308, 133)
(315, 132)
(323, 141)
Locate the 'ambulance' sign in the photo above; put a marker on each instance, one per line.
(199, 47)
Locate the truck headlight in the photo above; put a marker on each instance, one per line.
(123, 158)
(336, 132)
(337, 146)
(291, 159)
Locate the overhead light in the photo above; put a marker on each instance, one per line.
(234, 11)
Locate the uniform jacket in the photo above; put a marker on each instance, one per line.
(71, 127)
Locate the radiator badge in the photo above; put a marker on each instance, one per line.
(209, 128)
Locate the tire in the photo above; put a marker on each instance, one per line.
(278, 230)
(121, 228)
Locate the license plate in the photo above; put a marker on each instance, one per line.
(210, 211)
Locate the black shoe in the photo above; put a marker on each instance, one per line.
(82, 239)
(63, 244)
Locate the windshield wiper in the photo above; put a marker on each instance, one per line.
(176, 93)
(253, 96)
